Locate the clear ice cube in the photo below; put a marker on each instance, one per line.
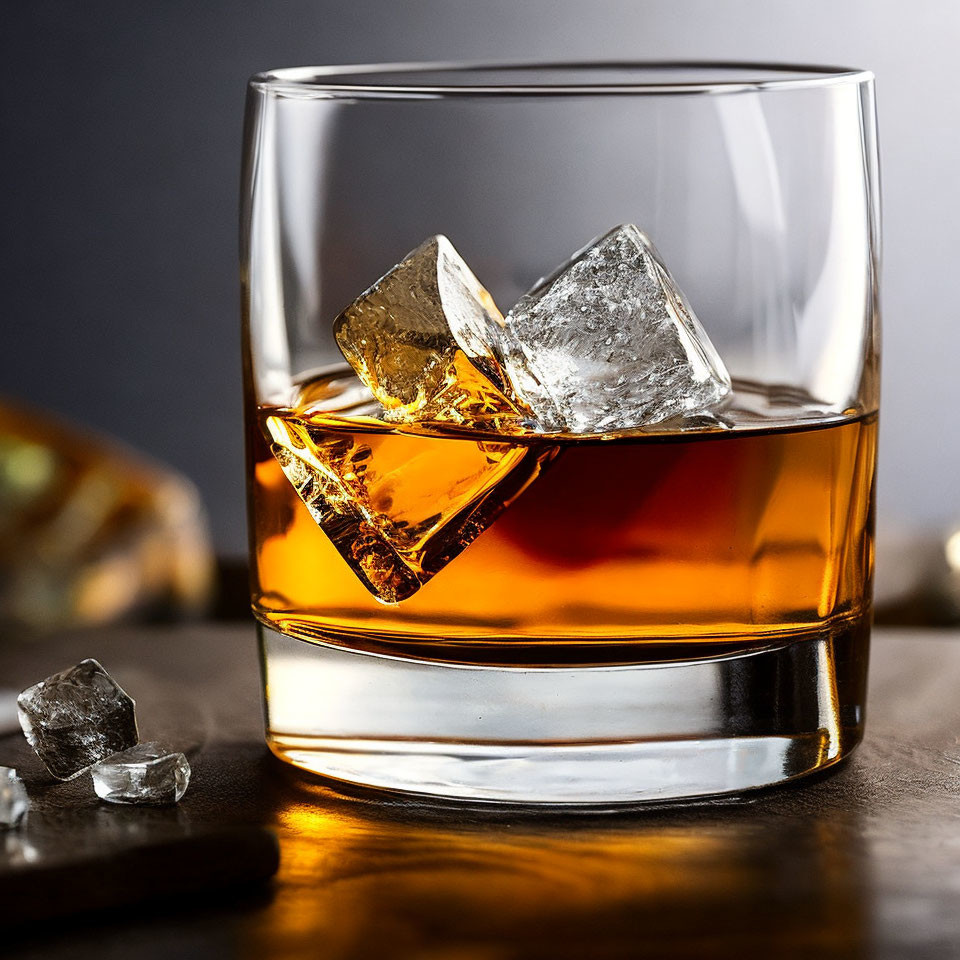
(13, 798)
(607, 342)
(145, 774)
(416, 338)
(77, 717)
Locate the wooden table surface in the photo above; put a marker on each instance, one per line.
(864, 862)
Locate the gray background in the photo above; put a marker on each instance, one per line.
(121, 125)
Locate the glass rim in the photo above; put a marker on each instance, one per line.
(379, 80)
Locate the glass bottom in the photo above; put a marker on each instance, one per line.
(584, 736)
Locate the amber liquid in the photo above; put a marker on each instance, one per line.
(615, 550)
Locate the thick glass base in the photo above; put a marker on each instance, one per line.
(589, 736)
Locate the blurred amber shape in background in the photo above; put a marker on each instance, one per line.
(92, 532)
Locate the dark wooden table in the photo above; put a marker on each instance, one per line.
(861, 863)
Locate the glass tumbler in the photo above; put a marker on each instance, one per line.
(660, 587)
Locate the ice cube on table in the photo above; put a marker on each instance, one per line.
(416, 338)
(13, 798)
(146, 774)
(607, 343)
(77, 717)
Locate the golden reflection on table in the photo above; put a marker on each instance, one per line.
(361, 879)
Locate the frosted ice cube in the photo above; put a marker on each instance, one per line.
(77, 717)
(416, 339)
(607, 342)
(146, 774)
(13, 798)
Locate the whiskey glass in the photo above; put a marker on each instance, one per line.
(614, 617)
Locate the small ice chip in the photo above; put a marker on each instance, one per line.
(607, 342)
(147, 773)
(13, 798)
(77, 717)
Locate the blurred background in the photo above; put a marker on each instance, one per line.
(121, 169)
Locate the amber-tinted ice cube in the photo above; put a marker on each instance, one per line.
(607, 342)
(416, 339)
(399, 507)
